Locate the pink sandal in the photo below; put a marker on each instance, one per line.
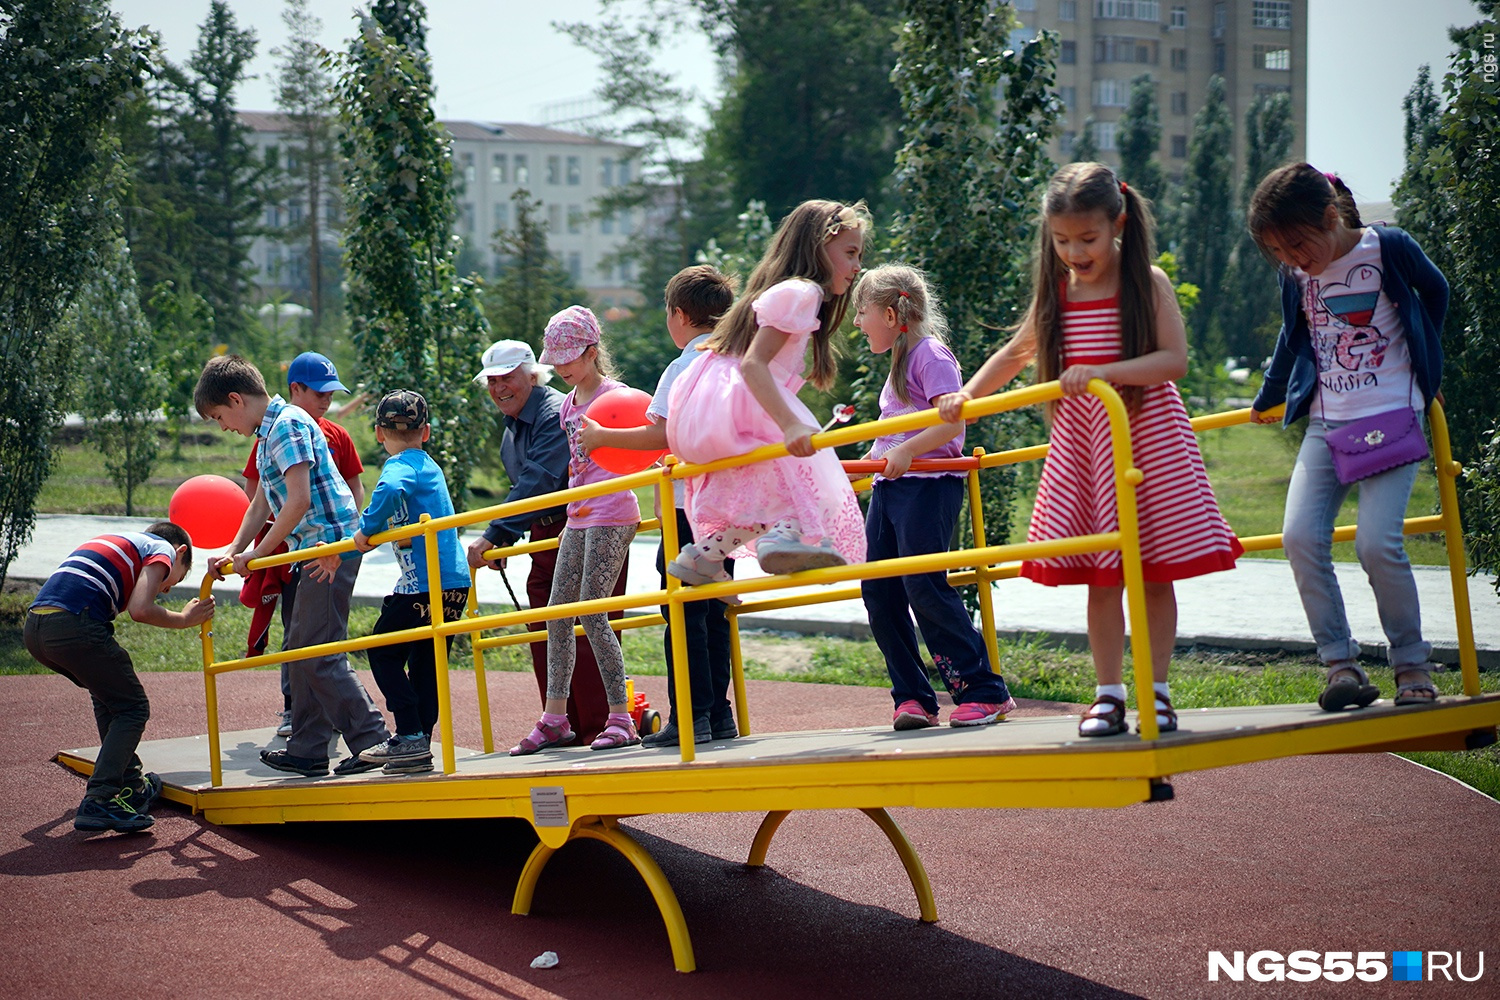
(615, 736)
(544, 736)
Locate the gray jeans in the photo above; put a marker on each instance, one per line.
(325, 693)
(588, 563)
(1312, 502)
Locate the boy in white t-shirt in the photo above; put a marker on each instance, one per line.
(696, 298)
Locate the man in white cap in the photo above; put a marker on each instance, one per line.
(534, 451)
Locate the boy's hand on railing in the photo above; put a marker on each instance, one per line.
(325, 568)
(362, 542)
(1257, 417)
(196, 611)
(951, 406)
(1075, 380)
(218, 565)
(241, 562)
(799, 440)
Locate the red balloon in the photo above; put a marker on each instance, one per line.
(209, 509)
(622, 407)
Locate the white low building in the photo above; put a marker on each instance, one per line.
(566, 171)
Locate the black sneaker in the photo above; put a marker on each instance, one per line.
(145, 794)
(668, 735)
(308, 767)
(121, 813)
(724, 728)
(355, 765)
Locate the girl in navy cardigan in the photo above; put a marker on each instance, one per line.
(1362, 316)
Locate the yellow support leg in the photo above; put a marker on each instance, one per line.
(1448, 472)
(737, 672)
(762, 842)
(607, 831)
(915, 870)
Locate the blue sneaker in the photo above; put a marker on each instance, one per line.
(125, 812)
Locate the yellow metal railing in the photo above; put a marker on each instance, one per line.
(980, 565)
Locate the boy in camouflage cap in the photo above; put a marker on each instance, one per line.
(411, 484)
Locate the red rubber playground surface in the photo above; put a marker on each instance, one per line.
(1347, 853)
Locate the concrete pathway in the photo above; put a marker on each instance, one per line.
(1254, 607)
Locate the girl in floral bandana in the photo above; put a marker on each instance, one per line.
(592, 547)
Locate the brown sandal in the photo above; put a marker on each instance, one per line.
(1107, 708)
(1163, 706)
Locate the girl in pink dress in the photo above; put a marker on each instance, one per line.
(1100, 309)
(797, 512)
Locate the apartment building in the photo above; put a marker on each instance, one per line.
(1257, 46)
(565, 171)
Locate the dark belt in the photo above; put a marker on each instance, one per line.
(547, 519)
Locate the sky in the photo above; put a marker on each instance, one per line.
(501, 60)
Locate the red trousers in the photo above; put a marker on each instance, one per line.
(588, 709)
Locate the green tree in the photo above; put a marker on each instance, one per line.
(304, 94)
(121, 389)
(1139, 137)
(1085, 148)
(1454, 167)
(226, 175)
(530, 283)
(183, 323)
(809, 108)
(415, 322)
(645, 107)
(1207, 223)
(1252, 305)
(159, 215)
(67, 68)
(969, 173)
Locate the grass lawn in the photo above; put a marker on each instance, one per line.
(1199, 679)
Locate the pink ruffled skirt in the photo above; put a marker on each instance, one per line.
(713, 416)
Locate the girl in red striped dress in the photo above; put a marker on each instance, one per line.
(1100, 309)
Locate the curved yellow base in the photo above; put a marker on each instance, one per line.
(915, 870)
(606, 830)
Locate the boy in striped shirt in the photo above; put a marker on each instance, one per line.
(70, 630)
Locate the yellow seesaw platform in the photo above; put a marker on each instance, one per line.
(1023, 762)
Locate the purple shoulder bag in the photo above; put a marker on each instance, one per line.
(1362, 448)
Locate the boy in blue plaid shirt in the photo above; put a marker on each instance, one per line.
(302, 489)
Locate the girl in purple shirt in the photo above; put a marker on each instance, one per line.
(914, 513)
(592, 547)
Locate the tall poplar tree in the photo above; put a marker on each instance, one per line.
(66, 69)
(415, 322)
(1251, 307)
(1207, 230)
(304, 93)
(976, 116)
(226, 173)
(1139, 138)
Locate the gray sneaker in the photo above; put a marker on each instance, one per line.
(399, 749)
(284, 728)
(781, 552)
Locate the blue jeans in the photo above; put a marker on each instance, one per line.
(909, 517)
(1312, 503)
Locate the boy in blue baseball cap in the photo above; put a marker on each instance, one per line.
(313, 380)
